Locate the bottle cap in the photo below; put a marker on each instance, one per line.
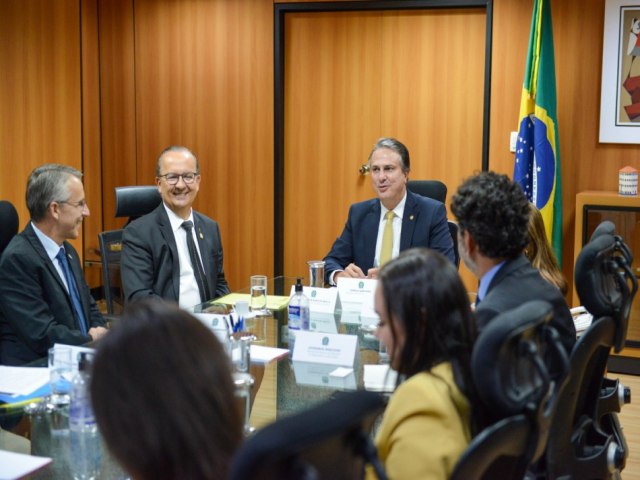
(298, 285)
(84, 360)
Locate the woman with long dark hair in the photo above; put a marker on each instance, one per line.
(428, 328)
(163, 395)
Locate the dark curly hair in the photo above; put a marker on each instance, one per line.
(495, 211)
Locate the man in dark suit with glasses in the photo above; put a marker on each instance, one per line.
(44, 298)
(174, 252)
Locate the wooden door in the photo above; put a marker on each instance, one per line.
(352, 77)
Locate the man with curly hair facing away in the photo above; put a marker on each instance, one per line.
(493, 213)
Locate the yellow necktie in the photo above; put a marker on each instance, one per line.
(387, 238)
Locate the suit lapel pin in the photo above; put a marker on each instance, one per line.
(410, 217)
(201, 236)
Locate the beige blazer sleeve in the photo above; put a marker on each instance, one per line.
(425, 427)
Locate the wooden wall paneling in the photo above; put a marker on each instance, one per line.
(91, 159)
(204, 74)
(117, 103)
(352, 77)
(433, 96)
(40, 92)
(332, 119)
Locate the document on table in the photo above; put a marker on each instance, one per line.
(274, 302)
(18, 465)
(262, 354)
(22, 380)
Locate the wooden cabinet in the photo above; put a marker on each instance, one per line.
(593, 207)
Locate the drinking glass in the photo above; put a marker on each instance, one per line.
(60, 374)
(258, 293)
(316, 273)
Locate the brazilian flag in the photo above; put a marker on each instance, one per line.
(537, 163)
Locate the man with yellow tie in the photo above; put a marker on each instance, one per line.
(377, 230)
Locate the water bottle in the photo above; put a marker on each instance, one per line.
(85, 440)
(298, 312)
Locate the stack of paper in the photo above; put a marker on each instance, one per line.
(379, 378)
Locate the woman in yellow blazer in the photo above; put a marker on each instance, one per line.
(428, 329)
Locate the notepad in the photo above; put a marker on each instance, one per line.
(274, 302)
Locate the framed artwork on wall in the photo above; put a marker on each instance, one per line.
(620, 95)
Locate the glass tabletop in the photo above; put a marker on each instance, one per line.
(281, 387)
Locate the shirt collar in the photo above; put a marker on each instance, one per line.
(50, 246)
(486, 279)
(175, 220)
(398, 210)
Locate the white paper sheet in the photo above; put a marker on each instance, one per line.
(18, 465)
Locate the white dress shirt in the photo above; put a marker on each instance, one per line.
(189, 295)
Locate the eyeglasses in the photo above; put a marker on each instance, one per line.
(174, 178)
(82, 203)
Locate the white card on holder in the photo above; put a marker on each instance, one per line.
(354, 292)
(321, 300)
(325, 348)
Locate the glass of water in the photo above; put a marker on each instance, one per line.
(258, 293)
(60, 374)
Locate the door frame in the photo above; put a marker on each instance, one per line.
(280, 11)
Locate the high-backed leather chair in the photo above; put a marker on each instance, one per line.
(131, 202)
(9, 223)
(328, 442)
(586, 438)
(437, 190)
(429, 188)
(135, 201)
(519, 367)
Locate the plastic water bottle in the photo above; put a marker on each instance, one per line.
(298, 311)
(86, 452)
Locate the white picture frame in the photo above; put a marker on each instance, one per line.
(620, 73)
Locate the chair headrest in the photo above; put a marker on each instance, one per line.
(9, 221)
(605, 227)
(506, 361)
(135, 201)
(605, 282)
(429, 188)
(295, 434)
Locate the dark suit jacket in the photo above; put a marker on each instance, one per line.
(518, 282)
(35, 308)
(424, 224)
(149, 264)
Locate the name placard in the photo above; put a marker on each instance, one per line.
(321, 300)
(354, 292)
(325, 348)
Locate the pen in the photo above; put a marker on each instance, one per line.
(7, 407)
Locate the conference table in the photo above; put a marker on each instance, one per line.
(282, 387)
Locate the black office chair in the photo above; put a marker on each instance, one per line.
(9, 223)
(135, 201)
(329, 441)
(110, 248)
(429, 188)
(437, 190)
(131, 202)
(519, 367)
(586, 438)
